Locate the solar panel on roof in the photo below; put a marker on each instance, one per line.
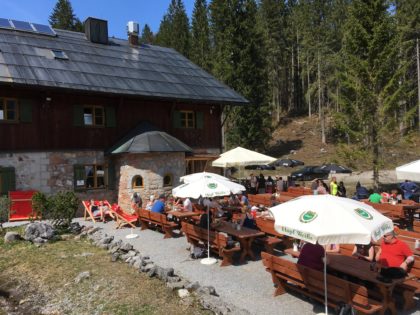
(4, 23)
(22, 26)
(44, 29)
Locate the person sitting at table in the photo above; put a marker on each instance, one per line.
(247, 219)
(361, 192)
(375, 197)
(394, 256)
(244, 199)
(312, 256)
(206, 220)
(332, 248)
(187, 205)
(150, 203)
(408, 188)
(159, 205)
(364, 252)
(234, 200)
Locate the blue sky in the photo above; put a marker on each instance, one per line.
(116, 12)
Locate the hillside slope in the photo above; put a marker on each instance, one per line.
(300, 138)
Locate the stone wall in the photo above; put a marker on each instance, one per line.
(152, 167)
(51, 172)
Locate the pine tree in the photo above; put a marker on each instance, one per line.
(64, 18)
(200, 35)
(147, 36)
(369, 77)
(239, 62)
(174, 29)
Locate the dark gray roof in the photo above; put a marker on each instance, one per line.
(146, 138)
(146, 70)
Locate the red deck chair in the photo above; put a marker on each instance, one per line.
(89, 215)
(122, 217)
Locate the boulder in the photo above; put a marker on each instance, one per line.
(75, 228)
(207, 290)
(39, 230)
(193, 286)
(82, 276)
(183, 293)
(126, 247)
(164, 273)
(12, 237)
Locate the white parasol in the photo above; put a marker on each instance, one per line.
(329, 219)
(410, 171)
(242, 157)
(197, 176)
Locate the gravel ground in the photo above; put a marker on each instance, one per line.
(248, 286)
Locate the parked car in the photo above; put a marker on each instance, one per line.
(260, 167)
(308, 173)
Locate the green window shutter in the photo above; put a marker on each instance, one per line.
(7, 180)
(78, 116)
(110, 116)
(79, 175)
(199, 120)
(176, 119)
(110, 173)
(25, 110)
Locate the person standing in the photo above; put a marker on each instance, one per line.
(279, 184)
(333, 186)
(254, 184)
(408, 188)
(261, 184)
(341, 192)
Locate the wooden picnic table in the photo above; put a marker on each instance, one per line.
(361, 270)
(245, 236)
(185, 214)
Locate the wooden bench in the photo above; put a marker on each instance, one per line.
(395, 212)
(149, 218)
(299, 191)
(272, 238)
(260, 199)
(218, 242)
(410, 288)
(416, 226)
(289, 275)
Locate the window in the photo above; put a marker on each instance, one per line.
(187, 119)
(137, 182)
(93, 116)
(8, 109)
(90, 176)
(59, 54)
(167, 180)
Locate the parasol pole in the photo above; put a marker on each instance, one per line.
(209, 260)
(325, 282)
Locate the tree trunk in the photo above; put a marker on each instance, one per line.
(292, 102)
(418, 79)
(309, 92)
(320, 109)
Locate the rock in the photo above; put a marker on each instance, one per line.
(207, 290)
(152, 272)
(12, 237)
(103, 246)
(75, 228)
(82, 276)
(164, 273)
(84, 254)
(176, 285)
(137, 264)
(187, 301)
(147, 267)
(183, 293)
(126, 247)
(193, 286)
(39, 241)
(134, 260)
(115, 256)
(106, 240)
(130, 254)
(93, 230)
(39, 230)
(173, 279)
(219, 307)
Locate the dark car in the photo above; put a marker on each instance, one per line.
(260, 167)
(308, 173)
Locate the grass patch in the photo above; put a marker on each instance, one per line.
(43, 278)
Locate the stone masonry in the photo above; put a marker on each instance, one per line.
(152, 167)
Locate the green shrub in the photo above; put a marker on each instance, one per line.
(4, 209)
(60, 208)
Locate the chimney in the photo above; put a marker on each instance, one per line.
(133, 33)
(96, 30)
